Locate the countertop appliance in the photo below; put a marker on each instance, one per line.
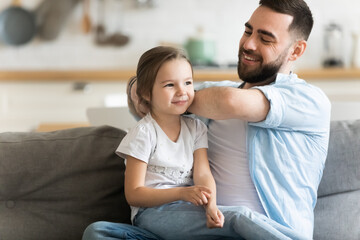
(333, 55)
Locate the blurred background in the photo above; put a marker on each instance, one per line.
(60, 57)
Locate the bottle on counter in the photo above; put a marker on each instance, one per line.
(355, 62)
(333, 46)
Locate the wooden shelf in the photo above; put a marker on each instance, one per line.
(330, 73)
(69, 75)
(125, 74)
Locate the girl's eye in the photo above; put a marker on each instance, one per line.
(169, 85)
(188, 82)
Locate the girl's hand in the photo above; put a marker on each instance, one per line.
(214, 217)
(197, 195)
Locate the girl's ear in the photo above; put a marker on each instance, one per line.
(298, 50)
(147, 97)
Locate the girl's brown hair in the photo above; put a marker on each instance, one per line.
(149, 65)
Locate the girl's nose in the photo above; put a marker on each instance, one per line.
(180, 90)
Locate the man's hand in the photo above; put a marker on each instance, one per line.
(135, 107)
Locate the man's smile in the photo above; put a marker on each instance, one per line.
(248, 59)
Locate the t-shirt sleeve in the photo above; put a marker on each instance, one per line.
(137, 143)
(201, 140)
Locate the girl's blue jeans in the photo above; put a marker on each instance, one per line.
(183, 220)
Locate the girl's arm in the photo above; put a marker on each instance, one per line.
(139, 195)
(203, 177)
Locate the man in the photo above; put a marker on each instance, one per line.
(268, 137)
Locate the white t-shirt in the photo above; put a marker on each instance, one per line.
(169, 163)
(230, 166)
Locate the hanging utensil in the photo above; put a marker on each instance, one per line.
(17, 25)
(51, 17)
(86, 22)
(118, 38)
(100, 32)
(101, 37)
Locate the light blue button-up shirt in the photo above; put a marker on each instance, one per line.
(287, 150)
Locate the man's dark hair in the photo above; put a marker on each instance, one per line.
(302, 17)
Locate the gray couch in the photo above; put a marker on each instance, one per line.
(52, 185)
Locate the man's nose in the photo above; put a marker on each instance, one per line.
(249, 43)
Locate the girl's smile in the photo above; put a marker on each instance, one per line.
(173, 90)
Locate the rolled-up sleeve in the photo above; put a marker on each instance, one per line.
(292, 108)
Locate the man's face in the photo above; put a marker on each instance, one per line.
(265, 46)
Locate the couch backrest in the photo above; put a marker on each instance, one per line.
(337, 213)
(53, 185)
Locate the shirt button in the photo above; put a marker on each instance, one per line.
(10, 204)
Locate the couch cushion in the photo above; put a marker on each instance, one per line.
(342, 167)
(338, 217)
(52, 185)
(337, 212)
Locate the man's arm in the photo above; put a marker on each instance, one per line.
(227, 102)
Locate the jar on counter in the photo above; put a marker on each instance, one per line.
(333, 46)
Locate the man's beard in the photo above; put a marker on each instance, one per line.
(263, 73)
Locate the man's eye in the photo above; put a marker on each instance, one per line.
(265, 41)
(248, 33)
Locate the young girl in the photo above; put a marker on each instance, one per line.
(166, 153)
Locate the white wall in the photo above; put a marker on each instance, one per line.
(170, 21)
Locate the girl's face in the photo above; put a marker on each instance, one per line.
(173, 89)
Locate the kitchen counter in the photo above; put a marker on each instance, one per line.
(27, 98)
(211, 74)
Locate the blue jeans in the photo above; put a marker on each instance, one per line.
(183, 220)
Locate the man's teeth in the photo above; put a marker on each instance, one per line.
(249, 58)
